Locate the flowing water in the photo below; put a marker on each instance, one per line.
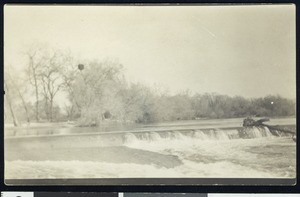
(155, 153)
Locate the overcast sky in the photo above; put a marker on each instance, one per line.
(234, 50)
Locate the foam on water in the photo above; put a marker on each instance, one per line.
(217, 152)
(200, 135)
(154, 136)
(267, 132)
(258, 132)
(204, 153)
(221, 135)
(129, 138)
(211, 143)
(85, 169)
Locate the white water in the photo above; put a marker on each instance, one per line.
(80, 169)
(210, 153)
(200, 135)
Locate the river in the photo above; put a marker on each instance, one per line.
(182, 149)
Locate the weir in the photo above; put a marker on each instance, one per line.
(121, 138)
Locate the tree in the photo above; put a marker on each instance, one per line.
(131, 100)
(16, 87)
(69, 73)
(45, 72)
(51, 79)
(9, 101)
(96, 90)
(35, 60)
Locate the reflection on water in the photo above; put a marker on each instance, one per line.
(64, 128)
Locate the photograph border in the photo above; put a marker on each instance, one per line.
(156, 185)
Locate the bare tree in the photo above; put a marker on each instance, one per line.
(9, 101)
(16, 87)
(44, 71)
(70, 111)
(34, 65)
(51, 79)
(69, 74)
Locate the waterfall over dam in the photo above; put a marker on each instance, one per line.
(126, 137)
(185, 151)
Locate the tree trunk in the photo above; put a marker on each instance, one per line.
(34, 75)
(37, 102)
(15, 121)
(26, 109)
(46, 108)
(24, 105)
(23, 101)
(51, 109)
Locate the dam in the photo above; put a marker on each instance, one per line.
(160, 151)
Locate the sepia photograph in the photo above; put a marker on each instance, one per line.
(142, 92)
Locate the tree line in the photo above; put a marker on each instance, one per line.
(98, 92)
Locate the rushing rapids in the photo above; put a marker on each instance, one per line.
(127, 137)
(190, 152)
(208, 134)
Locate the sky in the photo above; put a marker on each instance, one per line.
(234, 50)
